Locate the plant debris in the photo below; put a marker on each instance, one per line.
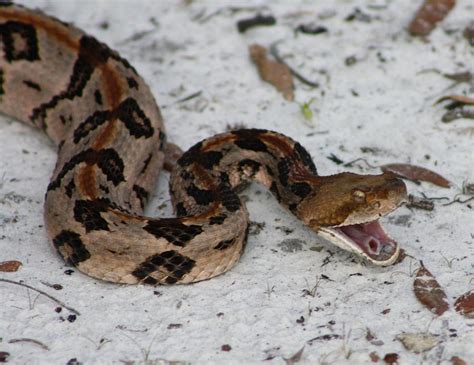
(30, 340)
(465, 304)
(4, 356)
(418, 342)
(419, 203)
(273, 72)
(428, 15)
(416, 173)
(311, 29)
(274, 52)
(391, 359)
(458, 113)
(258, 20)
(456, 360)
(461, 99)
(10, 266)
(294, 358)
(41, 292)
(469, 33)
(332, 336)
(429, 292)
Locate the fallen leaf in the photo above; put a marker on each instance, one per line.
(275, 73)
(416, 173)
(465, 304)
(294, 358)
(10, 266)
(374, 357)
(429, 292)
(391, 359)
(456, 360)
(418, 342)
(430, 13)
(459, 98)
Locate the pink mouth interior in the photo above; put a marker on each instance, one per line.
(372, 240)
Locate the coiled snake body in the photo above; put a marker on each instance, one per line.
(112, 145)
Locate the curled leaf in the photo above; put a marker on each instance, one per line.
(275, 73)
(430, 13)
(429, 292)
(465, 304)
(416, 173)
(10, 266)
(418, 342)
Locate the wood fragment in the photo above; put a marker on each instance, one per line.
(465, 304)
(41, 292)
(428, 15)
(416, 173)
(258, 20)
(10, 266)
(429, 292)
(275, 73)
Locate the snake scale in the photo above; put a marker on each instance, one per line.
(111, 146)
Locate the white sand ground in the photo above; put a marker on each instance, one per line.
(384, 101)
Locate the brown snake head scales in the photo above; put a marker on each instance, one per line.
(111, 146)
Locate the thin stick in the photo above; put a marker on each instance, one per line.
(274, 52)
(43, 293)
(36, 342)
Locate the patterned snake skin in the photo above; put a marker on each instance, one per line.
(112, 145)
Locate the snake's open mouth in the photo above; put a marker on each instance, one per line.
(367, 239)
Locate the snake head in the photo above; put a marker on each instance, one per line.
(345, 209)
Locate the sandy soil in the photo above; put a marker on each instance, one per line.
(290, 289)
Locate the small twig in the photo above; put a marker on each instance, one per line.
(231, 10)
(36, 342)
(350, 163)
(189, 97)
(274, 52)
(43, 293)
(457, 200)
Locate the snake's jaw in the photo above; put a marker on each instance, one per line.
(353, 223)
(368, 240)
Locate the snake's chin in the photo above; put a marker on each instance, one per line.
(368, 240)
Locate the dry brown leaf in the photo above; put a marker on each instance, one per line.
(391, 359)
(429, 292)
(275, 73)
(416, 173)
(459, 98)
(418, 342)
(456, 360)
(10, 266)
(465, 304)
(430, 13)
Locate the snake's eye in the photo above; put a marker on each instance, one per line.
(358, 196)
